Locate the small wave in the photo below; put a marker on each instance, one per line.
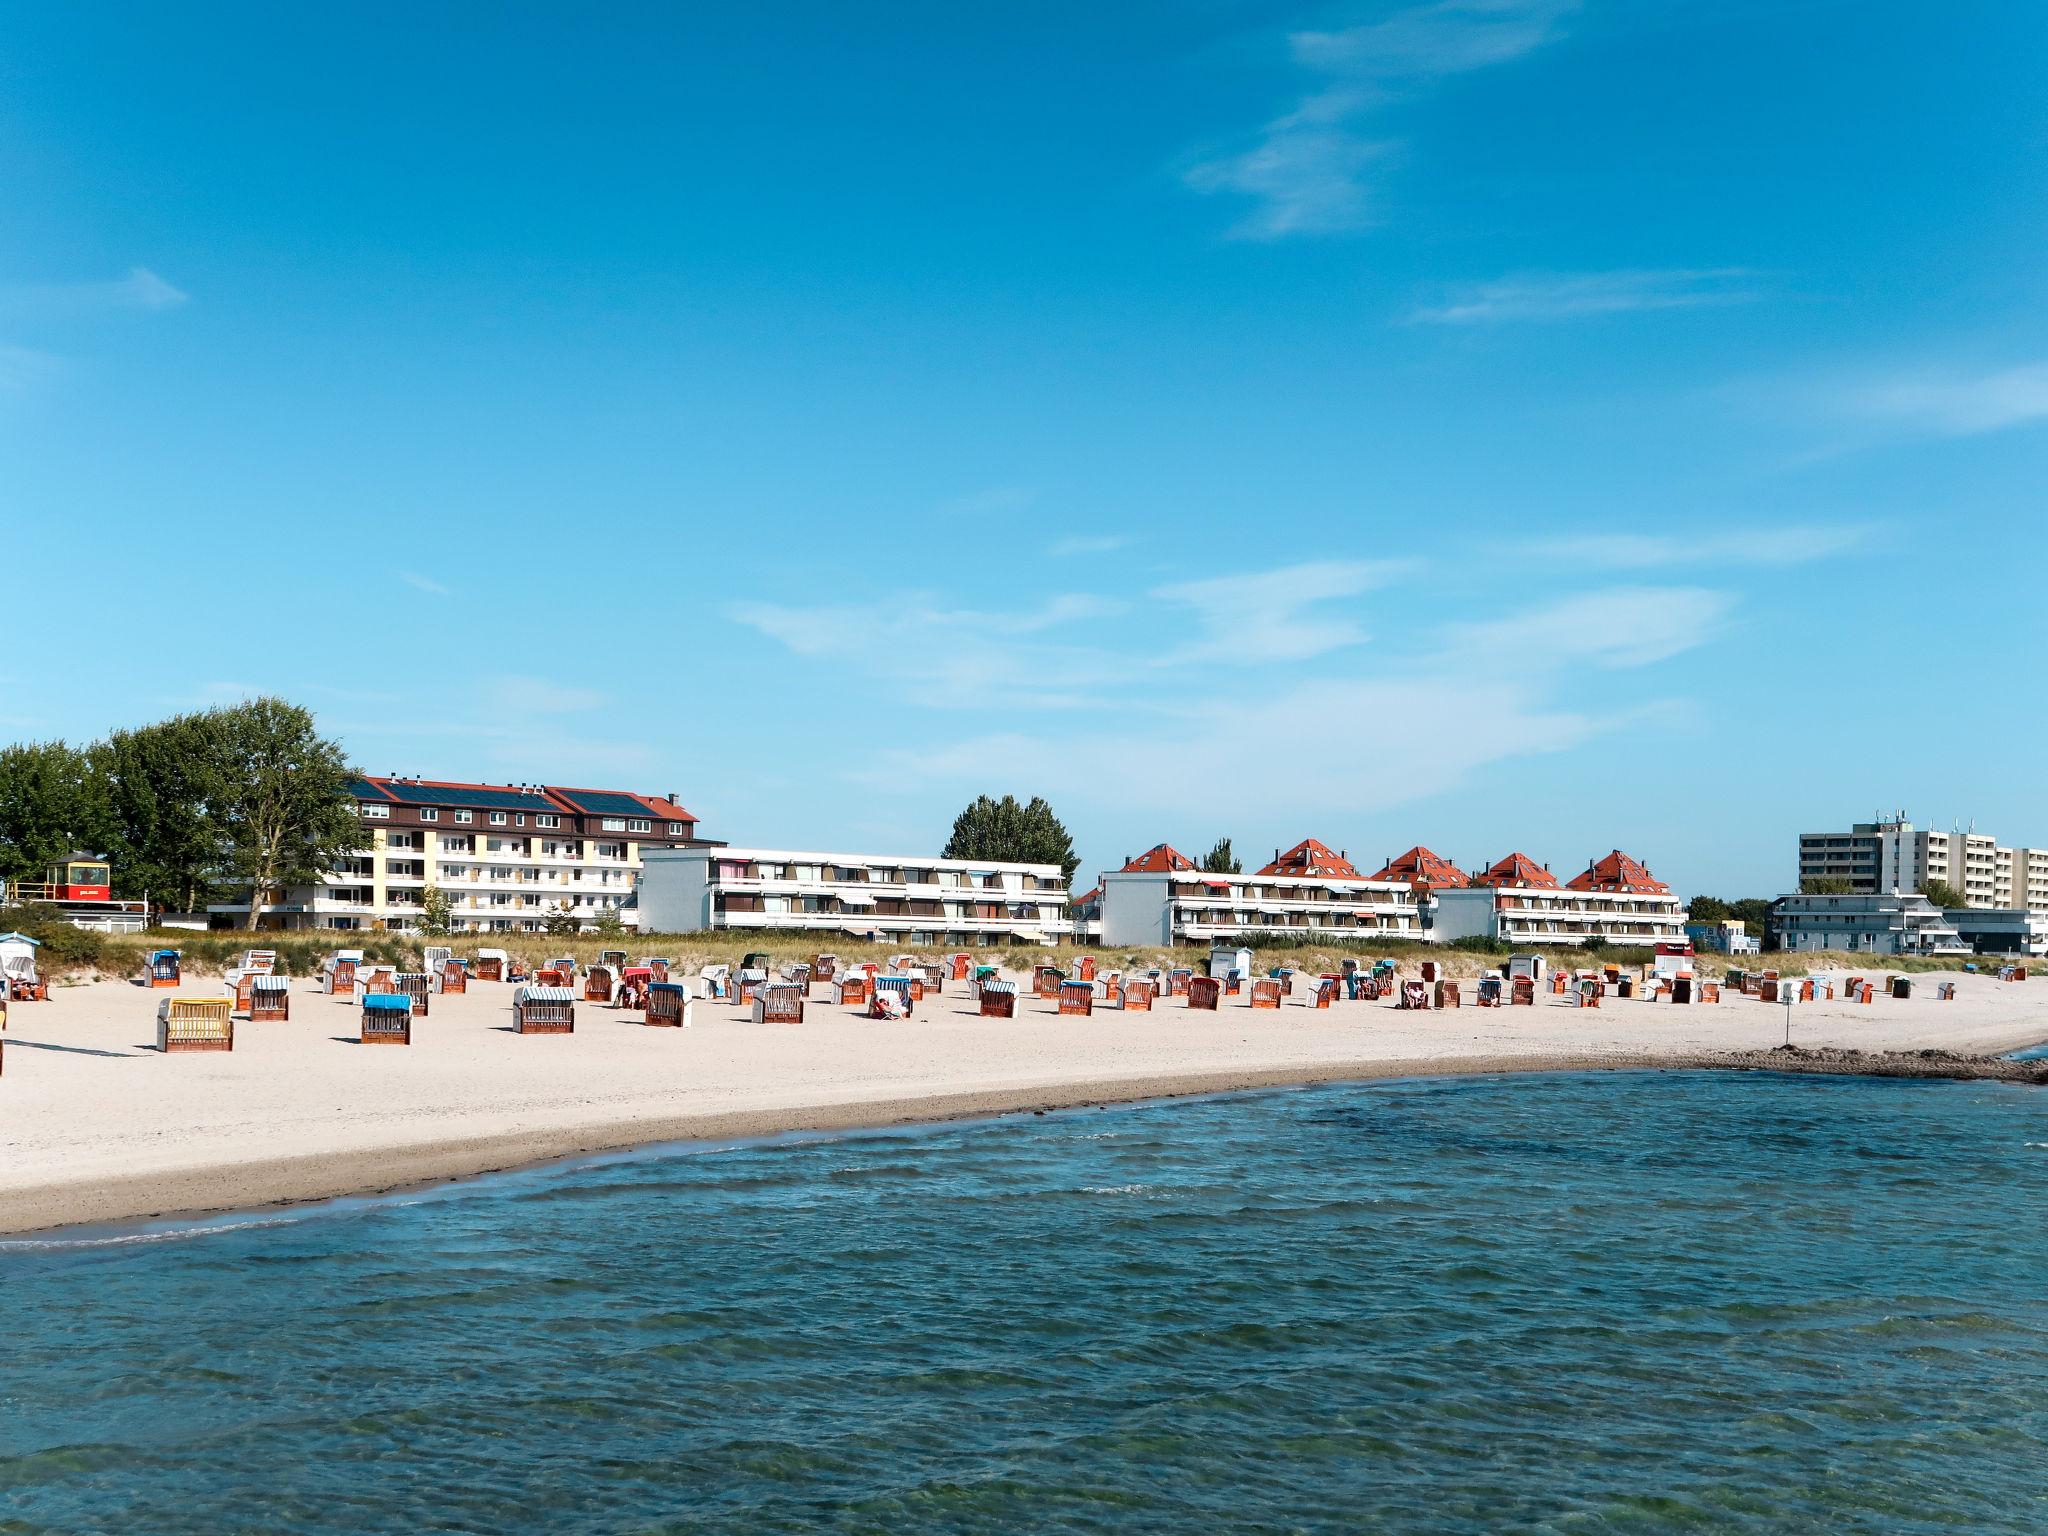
(165, 1235)
(1117, 1189)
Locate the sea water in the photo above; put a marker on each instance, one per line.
(1640, 1302)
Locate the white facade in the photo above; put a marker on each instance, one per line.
(1194, 908)
(855, 895)
(1539, 915)
(495, 884)
(1889, 923)
(1879, 857)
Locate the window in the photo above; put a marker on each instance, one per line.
(519, 820)
(497, 818)
(639, 824)
(430, 815)
(547, 821)
(464, 818)
(376, 812)
(614, 824)
(675, 829)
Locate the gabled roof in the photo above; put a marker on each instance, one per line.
(1618, 872)
(1309, 857)
(1160, 859)
(489, 797)
(1517, 869)
(1423, 869)
(614, 802)
(516, 797)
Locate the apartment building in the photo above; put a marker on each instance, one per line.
(1878, 857)
(1310, 890)
(1875, 923)
(903, 899)
(1615, 901)
(510, 857)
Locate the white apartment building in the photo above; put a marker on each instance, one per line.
(1878, 857)
(1616, 901)
(1885, 923)
(510, 858)
(1142, 908)
(1532, 915)
(890, 898)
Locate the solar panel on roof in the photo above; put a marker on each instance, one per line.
(485, 799)
(363, 789)
(604, 803)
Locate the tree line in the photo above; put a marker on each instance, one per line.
(243, 798)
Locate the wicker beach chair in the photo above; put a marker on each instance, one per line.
(541, 1010)
(669, 1005)
(386, 1019)
(195, 1024)
(779, 1003)
(270, 998)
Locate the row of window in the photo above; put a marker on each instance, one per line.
(372, 811)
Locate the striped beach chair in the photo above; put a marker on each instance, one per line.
(540, 1010)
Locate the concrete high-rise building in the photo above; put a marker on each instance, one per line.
(1879, 857)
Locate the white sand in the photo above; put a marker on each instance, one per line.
(96, 1126)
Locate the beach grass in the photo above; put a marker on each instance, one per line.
(76, 954)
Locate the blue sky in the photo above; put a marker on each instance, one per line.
(1494, 423)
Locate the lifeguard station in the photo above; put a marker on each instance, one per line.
(81, 886)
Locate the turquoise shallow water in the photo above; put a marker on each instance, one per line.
(1623, 1303)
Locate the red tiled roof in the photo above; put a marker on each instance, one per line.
(1423, 869)
(1310, 857)
(1517, 869)
(1162, 859)
(1618, 872)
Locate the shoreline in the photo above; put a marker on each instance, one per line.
(255, 1186)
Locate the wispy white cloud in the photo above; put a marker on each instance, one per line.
(985, 503)
(1302, 178)
(1580, 295)
(945, 656)
(140, 289)
(1786, 545)
(1268, 616)
(530, 696)
(1950, 403)
(1186, 762)
(21, 366)
(1090, 544)
(1613, 627)
(1305, 171)
(422, 583)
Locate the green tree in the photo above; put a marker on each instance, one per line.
(437, 912)
(1753, 912)
(1944, 895)
(562, 923)
(1824, 885)
(156, 783)
(610, 924)
(49, 806)
(1004, 832)
(1708, 909)
(280, 796)
(1220, 860)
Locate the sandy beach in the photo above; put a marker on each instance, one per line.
(96, 1126)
